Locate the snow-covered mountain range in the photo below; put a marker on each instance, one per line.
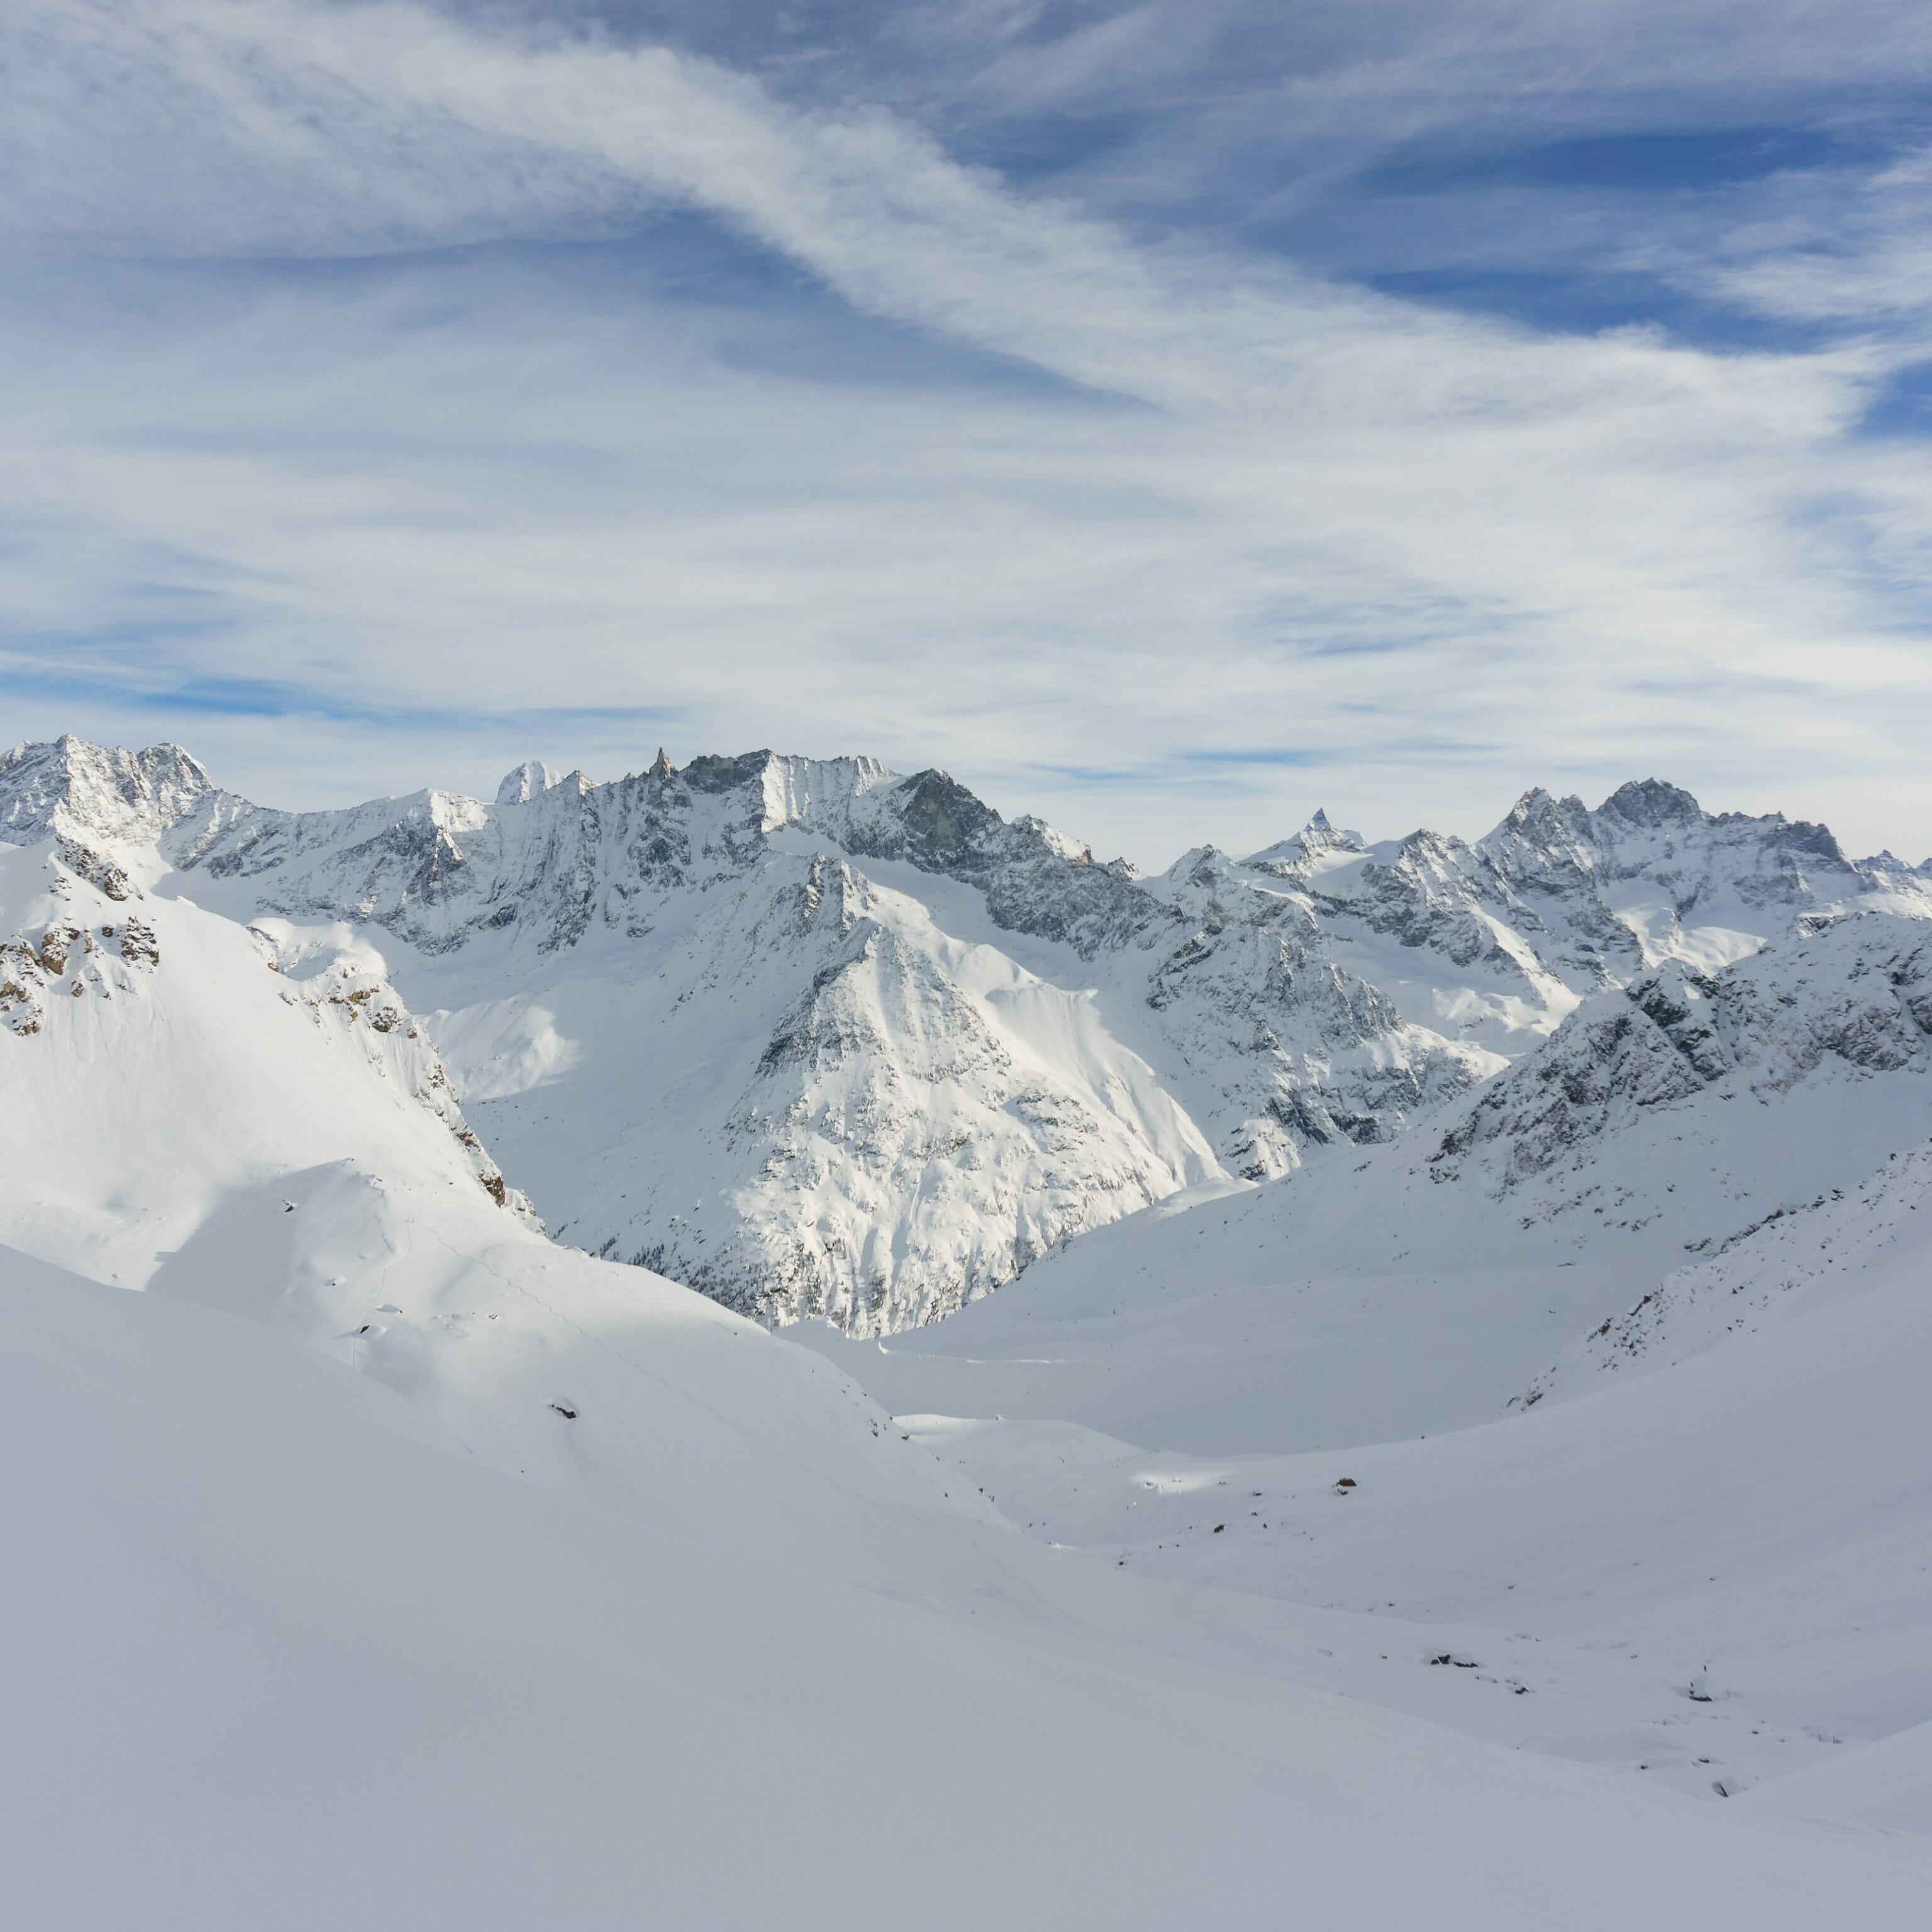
(819, 1039)
(1465, 1369)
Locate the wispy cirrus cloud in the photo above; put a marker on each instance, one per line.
(798, 485)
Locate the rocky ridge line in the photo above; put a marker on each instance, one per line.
(1323, 992)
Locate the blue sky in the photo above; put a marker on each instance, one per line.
(1167, 417)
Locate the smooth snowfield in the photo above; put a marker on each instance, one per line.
(1739, 1546)
(1889, 1783)
(281, 1657)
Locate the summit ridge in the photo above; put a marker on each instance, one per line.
(825, 1039)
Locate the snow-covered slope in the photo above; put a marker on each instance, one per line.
(819, 1039)
(589, 1596)
(1418, 1286)
(152, 1051)
(1708, 1563)
(281, 1653)
(1696, 1545)
(1850, 1242)
(281, 1144)
(1424, 1288)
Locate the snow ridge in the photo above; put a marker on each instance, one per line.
(1778, 1270)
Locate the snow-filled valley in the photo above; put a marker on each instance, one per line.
(759, 1344)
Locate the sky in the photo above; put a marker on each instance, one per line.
(1169, 417)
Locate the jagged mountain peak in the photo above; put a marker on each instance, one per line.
(1322, 834)
(1852, 993)
(1651, 806)
(1886, 864)
(944, 822)
(79, 790)
(1422, 847)
(1540, 811)
(1649, 830)
(440, 870)
(1652, 802)
(1202, 865)
(1318, 839)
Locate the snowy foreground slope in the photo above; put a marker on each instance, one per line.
(280, 1655)
(820, 1039)
(386, 1564)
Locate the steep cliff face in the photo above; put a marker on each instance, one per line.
(823, 1038)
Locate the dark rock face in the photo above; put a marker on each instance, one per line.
(1612, 1062)
(99, 872)
(712, 775)
(1654, 805)
(946, 827)
(1432, 894)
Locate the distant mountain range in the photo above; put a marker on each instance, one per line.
(823, 1040)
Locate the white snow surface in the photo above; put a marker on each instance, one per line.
(288, 1656)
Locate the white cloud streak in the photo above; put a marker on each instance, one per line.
(1539, 557)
